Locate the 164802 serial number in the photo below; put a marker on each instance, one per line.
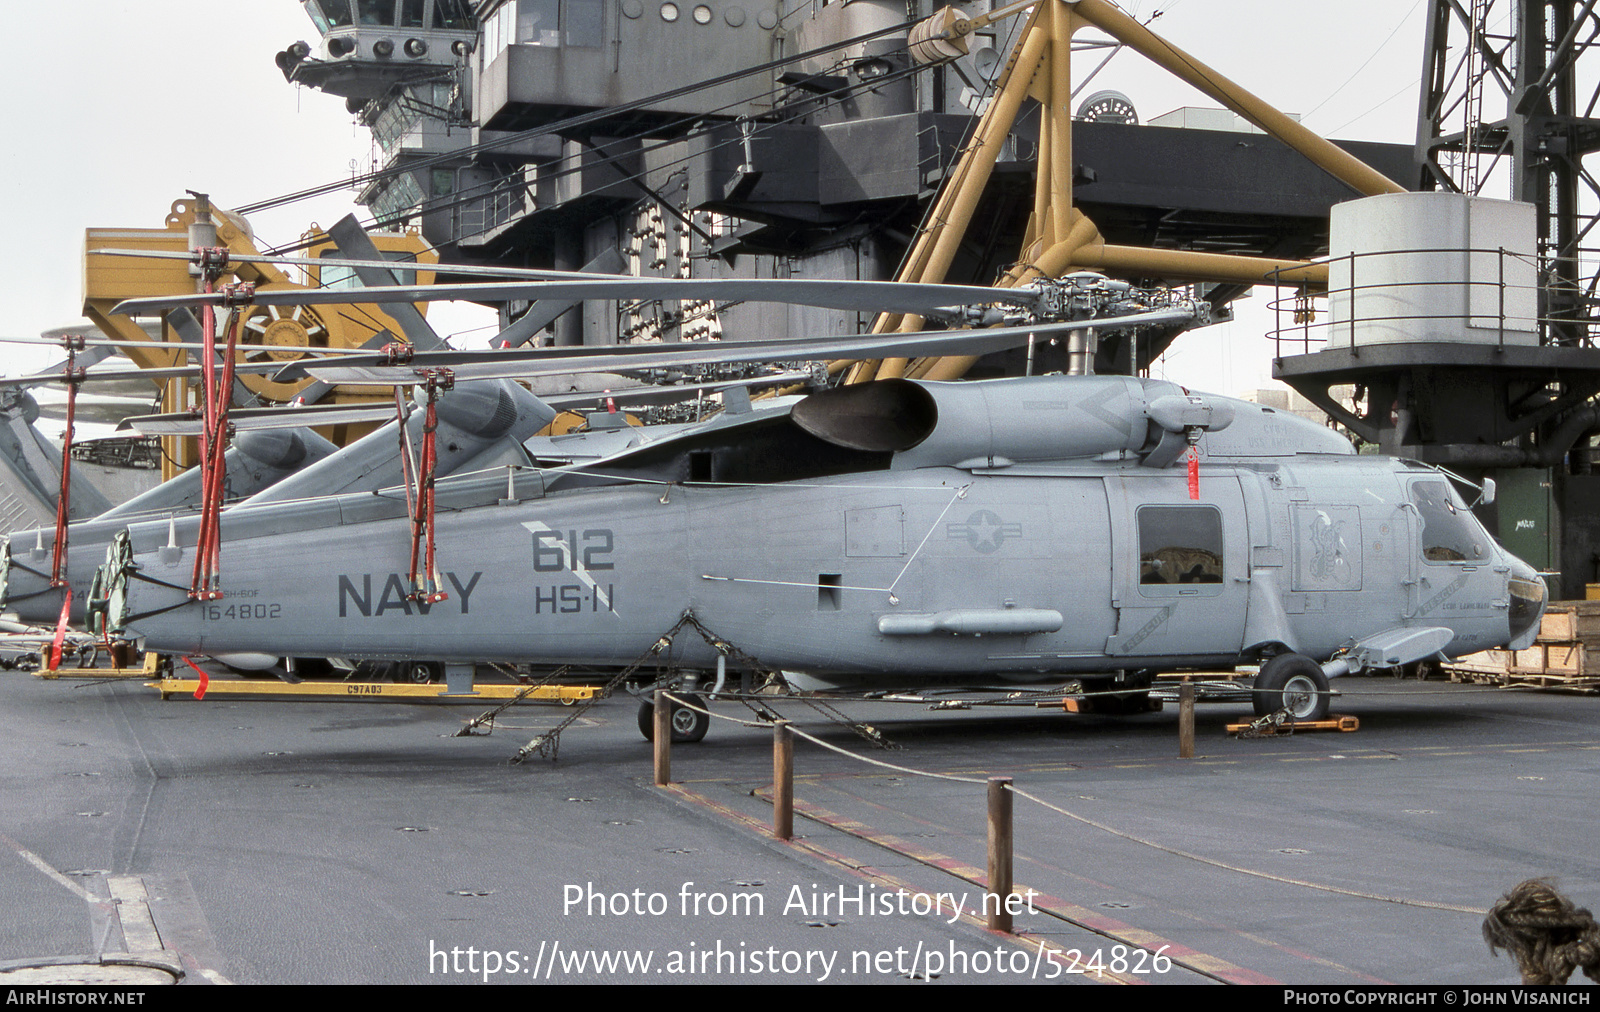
(240, 612)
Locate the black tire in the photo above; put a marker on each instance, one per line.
(418, 672)
(687, 725)
(1293, 682)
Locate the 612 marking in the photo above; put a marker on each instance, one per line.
(553, 553)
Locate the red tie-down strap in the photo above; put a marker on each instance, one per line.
(425, 584)
(58, 562)
(205, 680)
(1194, 472)
(218, 391)
(61, 631)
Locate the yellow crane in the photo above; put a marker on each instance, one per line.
(266, 333)
(1060, 238)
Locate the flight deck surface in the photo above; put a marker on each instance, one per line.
(333, 842)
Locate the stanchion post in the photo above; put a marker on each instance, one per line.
(783, 780)
(994, 904)
(1186, 720)
(662, 738)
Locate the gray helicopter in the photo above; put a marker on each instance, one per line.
(903, 533)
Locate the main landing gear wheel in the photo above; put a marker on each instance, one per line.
(687, 725)
(418, 672)
(1295, 683)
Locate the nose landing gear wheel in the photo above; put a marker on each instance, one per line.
(1295, 683)
(687, 725)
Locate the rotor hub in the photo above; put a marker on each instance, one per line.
(285, 340)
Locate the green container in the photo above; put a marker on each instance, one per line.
(1526, 505)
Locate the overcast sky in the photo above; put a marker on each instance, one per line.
(114, 116)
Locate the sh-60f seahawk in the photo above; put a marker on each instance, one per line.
(900, 533)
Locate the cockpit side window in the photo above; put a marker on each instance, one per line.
(337, 12)
(1450, 533)
(1179, 547)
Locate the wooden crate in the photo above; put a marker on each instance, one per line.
(1570, 621)
(1567, 659)
(1558, 627)
(1556, 659)
(1554, 666)
(1566, 654)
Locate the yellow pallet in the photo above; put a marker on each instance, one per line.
(565, 694)
(152, 664)
(1333, 723)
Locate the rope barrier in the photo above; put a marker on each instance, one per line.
(1174, 851)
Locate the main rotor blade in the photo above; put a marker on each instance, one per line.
(668, 392)
(188, 423)
(154, 345)
(867, 296)
(610, 358)
(175, 372)
(409, 266)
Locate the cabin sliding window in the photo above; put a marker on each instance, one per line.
(375, 12)
(538, 22)
(548, 23)
(1450, 533)
(1180, 550)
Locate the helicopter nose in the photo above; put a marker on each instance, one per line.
(1526, 590)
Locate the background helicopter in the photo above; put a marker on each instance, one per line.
(887, 534)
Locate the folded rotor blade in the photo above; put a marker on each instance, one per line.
(184, 324)
(547, 310)
(555, 361)
(353, 240)
(188, 423)
(176, 372)
(474, 270)
(670, 392)
(868, 296)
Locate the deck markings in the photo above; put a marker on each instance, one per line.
(1092, 919)
(1030, 943)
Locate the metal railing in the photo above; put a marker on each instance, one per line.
(1363, 294)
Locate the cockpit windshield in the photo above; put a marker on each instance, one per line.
(1450, 533)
